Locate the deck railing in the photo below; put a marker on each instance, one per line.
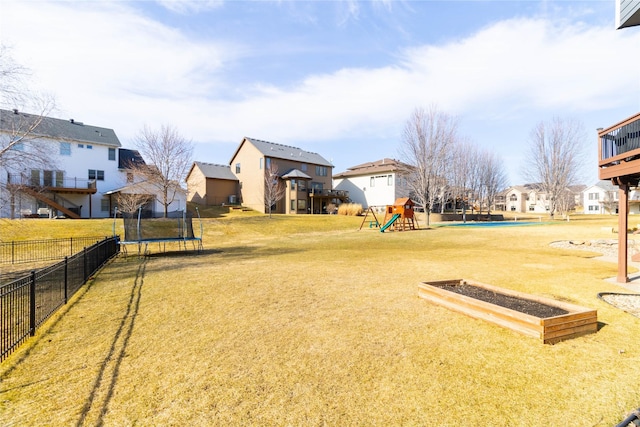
(621, 139)
(51, 182)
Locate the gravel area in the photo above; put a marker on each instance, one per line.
(609, 249)
(627, 302)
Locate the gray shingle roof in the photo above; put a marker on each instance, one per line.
(66, 130)
(286, 152)
(371, 168)
(212, 170)
(295, 174)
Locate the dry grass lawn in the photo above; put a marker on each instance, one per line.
(307, 321)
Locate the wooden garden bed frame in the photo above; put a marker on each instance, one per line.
(578, 321)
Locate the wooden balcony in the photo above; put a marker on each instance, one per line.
(619, 151)
(55, 184)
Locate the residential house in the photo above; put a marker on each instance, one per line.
(147, 196)
(377, 183)
(525, 198)
(602, 198)
(58, 167)
(307, 175)
(211, 184)
(530, 198)
(75, 165)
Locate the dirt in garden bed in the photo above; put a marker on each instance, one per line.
(533, 308)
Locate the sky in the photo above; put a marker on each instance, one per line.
(340, 78)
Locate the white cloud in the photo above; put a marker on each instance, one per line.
(185, 7)
(112, 66)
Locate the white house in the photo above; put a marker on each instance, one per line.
(597, 197)
(148, 196)
(59, 167)
(530, 198)
(377, 183)
(602, 198)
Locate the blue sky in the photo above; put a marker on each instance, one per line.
(335, 77)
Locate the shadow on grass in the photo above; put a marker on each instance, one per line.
(23, 353)
(104, 381)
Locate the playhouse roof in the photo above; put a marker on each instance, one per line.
(404, 201)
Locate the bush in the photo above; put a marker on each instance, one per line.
(350, 209)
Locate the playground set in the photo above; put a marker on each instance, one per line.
(397, 217)
(141, 231)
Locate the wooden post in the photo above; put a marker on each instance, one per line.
(623, 220)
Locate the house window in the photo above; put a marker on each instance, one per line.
(303, 167)
(237, 167)
(293, 184)
(594, 196)
(302, 204)
(89, 147)
(80, 145)
(321, 170)
(316, 187)
(389, 180)
(48, 178)
(267, 162)
(35, 177)
(96, 174)
(65, 149)
(513, 198)
(372, 182)
(302, 185)
(112, 153)
(261, 160)
(104, 205)
(293, 206)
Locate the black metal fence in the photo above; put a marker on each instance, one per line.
(25, 303)
(43, 250)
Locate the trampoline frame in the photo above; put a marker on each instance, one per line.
(161, 241)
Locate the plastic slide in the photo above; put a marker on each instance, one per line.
(393, 219)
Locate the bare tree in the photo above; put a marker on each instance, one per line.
(463, 174)
(20, 148)
(130, 202)
(556, 151)
(427, 143)
(169, 156)
(274, 187)
(493, 177)
(610, 203)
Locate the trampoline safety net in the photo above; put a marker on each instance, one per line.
(178, 226)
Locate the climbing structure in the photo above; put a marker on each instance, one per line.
(399, 216)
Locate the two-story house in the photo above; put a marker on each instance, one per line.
(601, 198)
(54, 167)
(307, 175)
(377, 183)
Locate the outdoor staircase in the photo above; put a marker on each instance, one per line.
(49, 202)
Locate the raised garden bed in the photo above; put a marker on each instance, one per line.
(549, 320)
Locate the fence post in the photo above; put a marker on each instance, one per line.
(13, 245)
(32, 304)
(71, 244)
(84, 264)
(66, 279)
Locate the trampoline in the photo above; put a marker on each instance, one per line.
(142, 231)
